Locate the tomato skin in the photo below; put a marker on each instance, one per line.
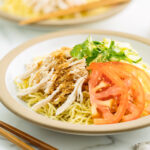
(137, 108)
(123, 77)
(114, 90)
(137, 91)
(108, 117)
(142, 76)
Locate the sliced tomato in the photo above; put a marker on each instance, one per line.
(137, 106)
(139, 73)
(111, 91)
(108, 117)
(147, 109)
(113, 78)
(122, 78)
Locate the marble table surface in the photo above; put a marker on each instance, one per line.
(134, 19)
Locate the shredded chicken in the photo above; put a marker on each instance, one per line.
(47, 6)
(59, 77)
(46, 100)
(79, 90)
(50, 84)
(78, 68)
(36, 87)
(72, 97)
(33, 67)
(81, 61)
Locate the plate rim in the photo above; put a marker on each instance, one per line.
(114, 10)
(60, 126)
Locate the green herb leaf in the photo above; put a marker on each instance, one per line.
(77, 52)
(97, 51)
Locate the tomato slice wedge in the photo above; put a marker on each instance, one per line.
(139, 73)
(136, 107)
(122, 78)
(113, 78)
(111, 91)
(108, 117)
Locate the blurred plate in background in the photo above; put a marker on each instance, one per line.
(86, 17)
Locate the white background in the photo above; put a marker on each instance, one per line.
(134, 19)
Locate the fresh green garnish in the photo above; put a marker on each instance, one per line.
(103, 51)
(88, 49)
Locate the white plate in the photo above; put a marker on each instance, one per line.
(12, 65)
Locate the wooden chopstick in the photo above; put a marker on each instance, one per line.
(27, 137)
(15, 140)
(72, 10)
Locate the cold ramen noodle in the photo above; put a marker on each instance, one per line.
(95, 82)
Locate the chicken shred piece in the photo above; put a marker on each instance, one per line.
(77, 62)
(36, 87)
(78, 69)
(46, 100)
(71, 98)
(30, 70)
(79, 92)
(50, 83)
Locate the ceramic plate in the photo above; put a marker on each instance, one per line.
(13, 64)
(97, 14)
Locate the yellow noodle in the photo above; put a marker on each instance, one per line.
(76, 113)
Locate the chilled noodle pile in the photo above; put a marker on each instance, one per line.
(55, 86)
(95, 82)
